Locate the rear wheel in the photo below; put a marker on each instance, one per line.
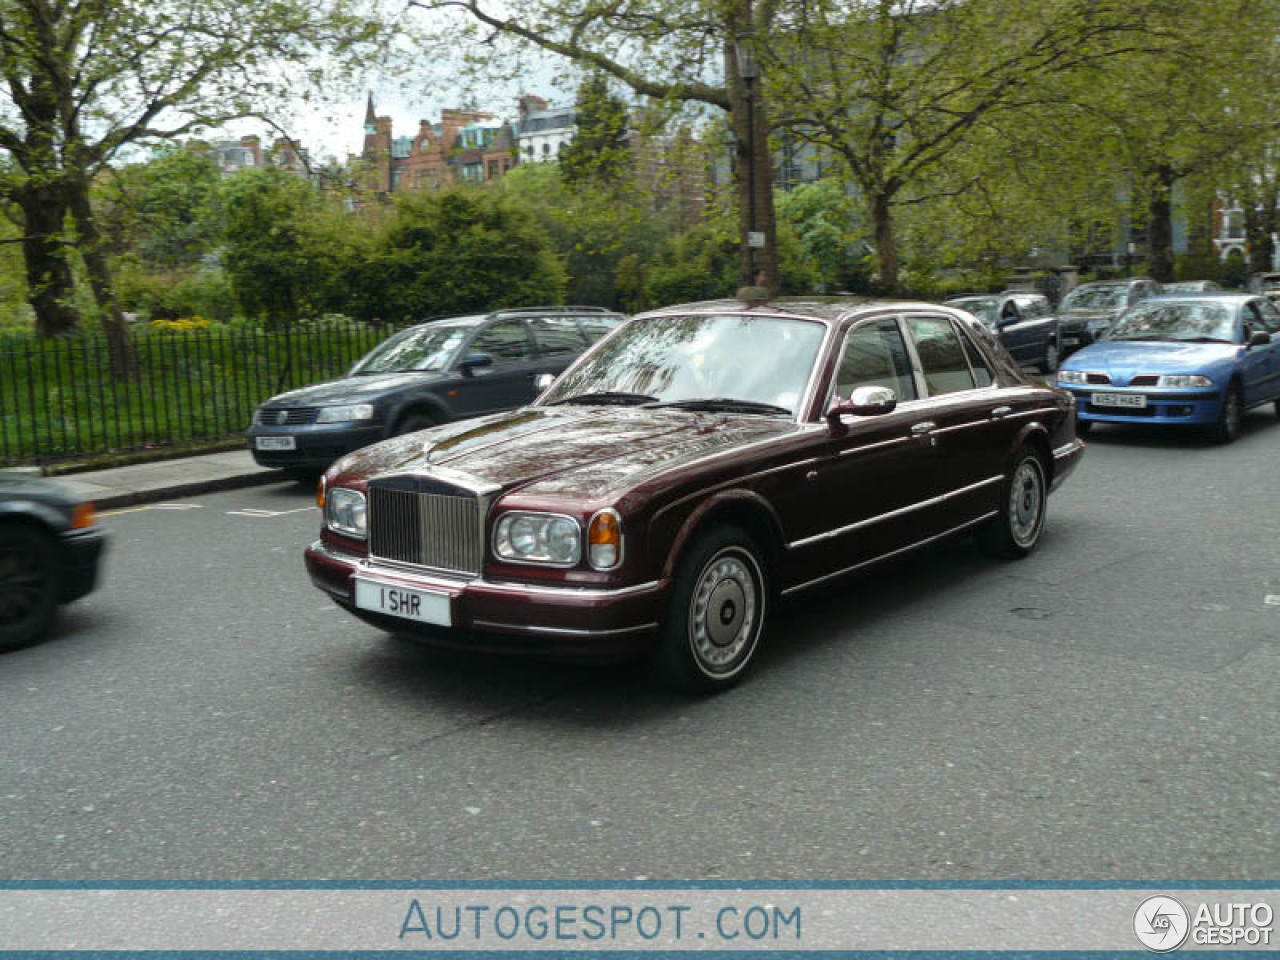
(717, 612)
(29, 584)
(1278, 406)
(1228, 426)
(1015, 530)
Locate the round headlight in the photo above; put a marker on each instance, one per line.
(562, 540)
(523, 535)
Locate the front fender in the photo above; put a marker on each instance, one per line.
(732, 504)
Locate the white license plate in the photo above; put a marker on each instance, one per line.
(396, 601)
(1070, 341)
(1119, 400)
(276, 443)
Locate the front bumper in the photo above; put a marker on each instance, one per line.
(1188, 407)
(568, 622)
(82, 554)
(316, 445)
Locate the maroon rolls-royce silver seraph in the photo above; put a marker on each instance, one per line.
(695, 466)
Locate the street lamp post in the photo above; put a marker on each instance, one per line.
(748, 71)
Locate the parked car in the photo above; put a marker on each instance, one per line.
(1190, 286)
(50, 548)
(1087, 311)
(1023, 322)
(1183, 360)
(694, 466)
(426, 375)
(1267, 284)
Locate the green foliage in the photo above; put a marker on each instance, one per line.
(166, 211)
(279, 255)
(460, 251)
(598, 151)
(593, 228)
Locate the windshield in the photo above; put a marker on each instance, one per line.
(984, 308)
(1095, 298)
(761, 360)
(1175, 321)
(419, 348)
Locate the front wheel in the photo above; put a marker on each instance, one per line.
(1050, 362)
(717, 613)
(1015, 530)
(29, 584)
(1228, 426)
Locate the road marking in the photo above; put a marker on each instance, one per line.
(1272, 599)
(152, 506)
(267, 514)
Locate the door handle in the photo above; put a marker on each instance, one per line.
(923, 429)
(999, 413)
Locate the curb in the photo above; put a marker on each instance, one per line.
(234, 482)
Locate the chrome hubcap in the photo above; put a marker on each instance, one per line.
(1026, 502)
(724, 613)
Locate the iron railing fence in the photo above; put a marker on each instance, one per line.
(59, 399)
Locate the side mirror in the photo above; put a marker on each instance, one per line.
(473, 362)
(863, 402)
(1259, 338)
(542, 381)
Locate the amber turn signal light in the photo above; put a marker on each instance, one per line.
(604, 540)
(84, 515)
(320, 492)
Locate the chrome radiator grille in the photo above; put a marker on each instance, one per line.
(440, 531)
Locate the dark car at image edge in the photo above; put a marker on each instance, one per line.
(447, 369)
(50, 551)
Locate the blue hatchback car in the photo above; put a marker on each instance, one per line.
(1188, 359)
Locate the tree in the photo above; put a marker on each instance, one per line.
(84, 80)
(678, 53)
(893, 88)
(459, 251)
(598, 151)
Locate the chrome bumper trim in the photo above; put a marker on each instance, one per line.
(560, 631)
(439, 581)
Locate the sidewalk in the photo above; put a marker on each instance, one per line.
(169, 479)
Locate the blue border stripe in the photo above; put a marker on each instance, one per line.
(599, 955)
(577, 885)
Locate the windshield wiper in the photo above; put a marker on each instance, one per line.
(1202, 340)
(1141, 336)
(615, 397)
(726, 404)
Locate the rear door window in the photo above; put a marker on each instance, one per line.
(946, 370)
(557, 336)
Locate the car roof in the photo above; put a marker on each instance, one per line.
(475, 319)
(1210, 295)
(828, 309)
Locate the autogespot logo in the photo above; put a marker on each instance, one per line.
(1161, 924)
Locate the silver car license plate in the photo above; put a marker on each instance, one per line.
(1129, 400)
(276, 443)
(394, 600)
(1070, 341)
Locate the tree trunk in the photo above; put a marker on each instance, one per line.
(886, 245)
(123, 361)
(753, 178)
(44, 252)
(1160, 225)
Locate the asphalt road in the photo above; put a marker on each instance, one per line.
(1105, 709)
